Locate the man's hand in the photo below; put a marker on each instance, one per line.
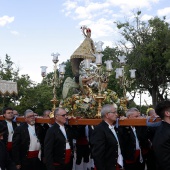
(18, 166)
(122, 118)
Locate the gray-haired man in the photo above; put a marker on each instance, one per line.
(106, 142)
(27, 143)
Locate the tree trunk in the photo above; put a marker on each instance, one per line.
(154, 97)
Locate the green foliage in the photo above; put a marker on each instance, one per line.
(37, 98)
(7, 71)
(149, 54)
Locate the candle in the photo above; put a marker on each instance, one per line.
(132, 73)
(108, 65)
(55, 57)
(99, 45)
(119, 72)
(43, 71)
(98, 58)
(62, 68)
(122, 59)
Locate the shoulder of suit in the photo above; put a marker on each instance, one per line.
(55, 126)
(102, 125)
(4, 122)
(23, 126)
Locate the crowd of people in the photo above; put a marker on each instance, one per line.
(33, 146)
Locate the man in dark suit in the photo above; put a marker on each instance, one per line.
(5, 161)
(106, 143)
(136, 143)
(58, 146)
(28, 143)
(46, 126)
(9, 128)
(82, 150)
(161, 141)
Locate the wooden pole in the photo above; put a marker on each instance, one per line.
(79, 121)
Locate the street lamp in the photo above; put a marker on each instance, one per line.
(56, 80)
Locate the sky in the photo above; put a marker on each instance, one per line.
(31, 30)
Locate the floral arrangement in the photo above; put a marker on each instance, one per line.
(86, 107)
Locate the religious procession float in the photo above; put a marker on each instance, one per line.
(84, 94)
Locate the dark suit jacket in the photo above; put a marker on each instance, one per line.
(129, 141)
(14, 125)
(161, 146)
(5, 160)
(105, 147)
(21, 142)
(55, 145)
(45, 127)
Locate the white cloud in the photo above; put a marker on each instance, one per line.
(146, 17)
(101, 27)
(100, 16)
(90, 11)
(132, 4)
(78, 9)
(164, 12)
(14, 32)
(6, 20)
(85, 9)
(70, 5)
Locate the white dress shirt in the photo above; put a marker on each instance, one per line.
(34, 142)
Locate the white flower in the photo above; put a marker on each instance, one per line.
(77, 101)
(118, 101)
(66, 109)
(86, 100)
(115, 105)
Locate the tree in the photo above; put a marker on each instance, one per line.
(149, 53)
(7, 72)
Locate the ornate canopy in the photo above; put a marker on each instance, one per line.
(8, 87)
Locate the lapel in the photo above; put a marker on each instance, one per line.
(106, 126)
(25, 131)
(36, 130)
(58, 130)
(14, 125)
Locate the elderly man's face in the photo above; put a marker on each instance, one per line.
(112, 115)
(134, 115)
(61, 117)
(30, 118)
(47, 114)
(152, 113)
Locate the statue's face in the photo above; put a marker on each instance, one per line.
(89, 34)
(90, 82)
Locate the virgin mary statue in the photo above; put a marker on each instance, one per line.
(84, 51)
